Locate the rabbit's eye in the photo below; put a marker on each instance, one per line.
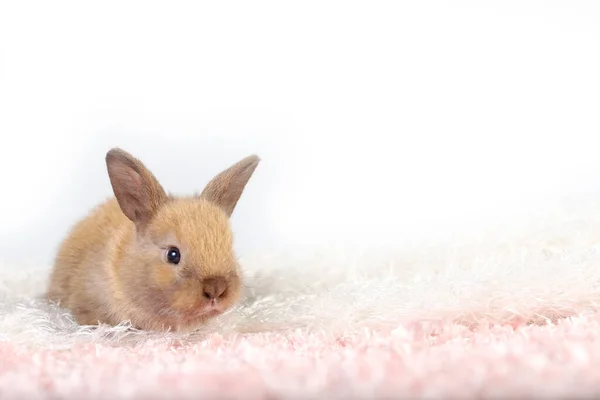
(173, 255)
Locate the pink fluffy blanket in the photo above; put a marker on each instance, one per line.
(493, 319)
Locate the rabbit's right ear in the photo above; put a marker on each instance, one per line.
(226, 188)
(137, 191)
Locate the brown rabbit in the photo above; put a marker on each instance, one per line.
(159, 261)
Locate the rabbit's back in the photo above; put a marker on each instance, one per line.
(83, 261)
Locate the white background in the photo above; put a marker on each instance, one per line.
(377, 122)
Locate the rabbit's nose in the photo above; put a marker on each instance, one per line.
(214, 288)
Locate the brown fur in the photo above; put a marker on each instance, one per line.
(113, 267)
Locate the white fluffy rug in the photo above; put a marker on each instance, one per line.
(505, 316)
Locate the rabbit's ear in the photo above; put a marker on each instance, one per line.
(226, 188)
(138, 192)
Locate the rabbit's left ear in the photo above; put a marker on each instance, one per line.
(138, 192)
(226, 188)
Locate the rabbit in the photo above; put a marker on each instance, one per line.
(161, 262)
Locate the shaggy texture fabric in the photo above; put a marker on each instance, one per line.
(493, 318)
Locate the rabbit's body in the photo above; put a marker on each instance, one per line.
(81, 278)
(117, 265)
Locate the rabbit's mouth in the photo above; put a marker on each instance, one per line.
(203, 313)
(211, 310)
